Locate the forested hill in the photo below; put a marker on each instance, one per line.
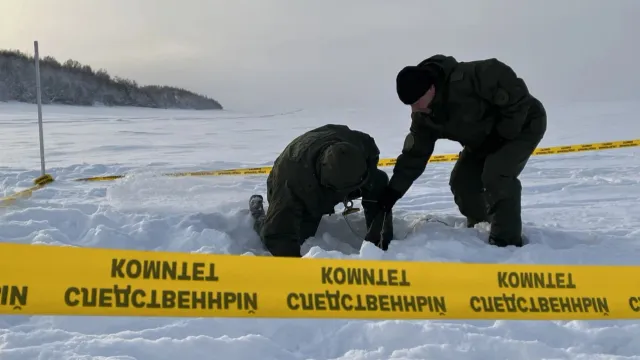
(72, 83)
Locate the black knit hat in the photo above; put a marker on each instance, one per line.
(413, 82)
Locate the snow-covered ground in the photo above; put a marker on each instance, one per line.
(577, 208)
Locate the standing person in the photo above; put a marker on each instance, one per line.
(487, 108)
(319, 169)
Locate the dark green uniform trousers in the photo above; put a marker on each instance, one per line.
(486, 186)
(369, 194)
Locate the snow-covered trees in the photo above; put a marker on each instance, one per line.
(72, 83)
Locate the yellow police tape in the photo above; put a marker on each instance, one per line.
(382, 163)
(39, 182)
(391, 161)
(52, 280)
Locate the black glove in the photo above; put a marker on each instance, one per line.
(388, 198)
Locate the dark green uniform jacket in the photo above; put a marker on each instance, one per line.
(297, 200)
(477, 104)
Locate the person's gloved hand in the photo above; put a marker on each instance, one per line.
(388, 198)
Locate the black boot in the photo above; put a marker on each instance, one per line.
(518, 242)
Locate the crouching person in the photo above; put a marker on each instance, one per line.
(319, 169)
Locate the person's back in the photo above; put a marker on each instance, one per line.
(469, 97)
(316, 171)
(298, 168)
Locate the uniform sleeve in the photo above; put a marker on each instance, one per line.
(370, 147)
(416, 152)
(502, 87)
(280, 231)
(373, 153)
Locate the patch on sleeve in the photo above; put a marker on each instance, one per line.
(501, 97)
(409, 141)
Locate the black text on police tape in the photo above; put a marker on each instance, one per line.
(539, 304)
(363, 276)
(163, 270)
(14, 295)
(337, 301)
(634, 303)
(536, 280)
(128, 297)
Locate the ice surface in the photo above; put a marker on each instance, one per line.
(577, 208)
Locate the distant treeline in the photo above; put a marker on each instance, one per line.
(72, 83)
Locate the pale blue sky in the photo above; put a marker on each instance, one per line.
(287, 54)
